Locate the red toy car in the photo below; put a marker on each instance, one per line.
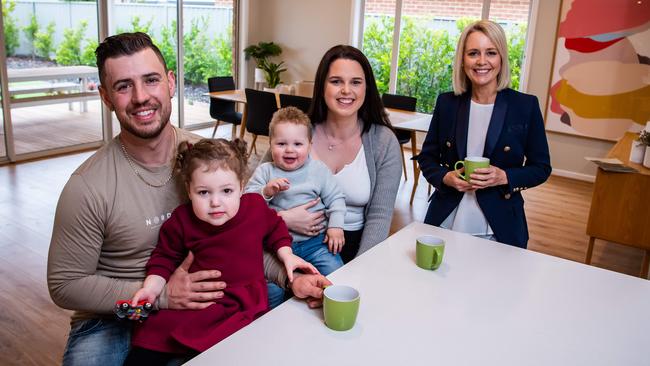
(123, 309)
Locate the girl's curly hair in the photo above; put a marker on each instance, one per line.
(215, 154)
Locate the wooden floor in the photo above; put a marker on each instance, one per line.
(33, 330)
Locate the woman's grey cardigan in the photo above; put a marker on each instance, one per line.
(383, 157)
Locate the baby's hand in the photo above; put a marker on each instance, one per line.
(293, 262)
(335, 239)
(274, 186)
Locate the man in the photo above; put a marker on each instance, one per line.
(111, 209)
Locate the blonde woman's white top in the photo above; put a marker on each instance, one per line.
(468, 217)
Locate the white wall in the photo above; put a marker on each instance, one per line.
(305, 29)
(567, 151)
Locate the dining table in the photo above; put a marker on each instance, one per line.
(487, 304)
(82, 92)
(413, 122)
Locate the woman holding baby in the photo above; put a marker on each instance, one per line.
(353, 137)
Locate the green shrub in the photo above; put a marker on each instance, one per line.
(377, 46)
(167, 45)
(137, 27)
(425, 61)
(463, 22)
(11, 30)
(69, 51)
(44, 42)
(222, 61)
(426, 56)
(516, 48)
(204, 57)
(196, 48)
(88, 55)
(30, 31)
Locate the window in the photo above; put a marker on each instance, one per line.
(427, 37)
(47, 113)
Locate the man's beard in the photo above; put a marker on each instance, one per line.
(147, 134)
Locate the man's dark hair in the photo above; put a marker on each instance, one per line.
(124, 44)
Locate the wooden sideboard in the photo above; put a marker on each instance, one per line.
(620, 206)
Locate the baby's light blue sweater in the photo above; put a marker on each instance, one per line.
(308, 182)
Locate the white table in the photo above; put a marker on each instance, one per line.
(488, 304)
(413, 122)
(83, 73)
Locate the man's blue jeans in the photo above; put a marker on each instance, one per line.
(102, 341)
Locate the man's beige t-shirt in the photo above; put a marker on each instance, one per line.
(106, 225)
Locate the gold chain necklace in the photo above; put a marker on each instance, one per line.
(330, 145)
(137, 172)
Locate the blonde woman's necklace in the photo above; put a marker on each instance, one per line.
(137, 171)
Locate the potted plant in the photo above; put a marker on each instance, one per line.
(644, 140)
(270, 71)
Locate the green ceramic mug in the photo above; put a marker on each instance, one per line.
(340, 306)
(471, 163)
(429, 250)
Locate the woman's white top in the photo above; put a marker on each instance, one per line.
(468, 217)
(354, 181)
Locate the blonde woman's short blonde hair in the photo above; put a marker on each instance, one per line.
(290, 115)
(496, 34)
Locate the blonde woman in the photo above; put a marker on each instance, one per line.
(484, 118)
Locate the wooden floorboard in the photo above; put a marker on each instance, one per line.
(33, 330)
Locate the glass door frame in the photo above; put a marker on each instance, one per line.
(8, 154)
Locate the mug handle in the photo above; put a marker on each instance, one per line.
(456, 169)
(434, 259)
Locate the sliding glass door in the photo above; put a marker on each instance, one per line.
(208, 49)
(51, 81)
(51, 77)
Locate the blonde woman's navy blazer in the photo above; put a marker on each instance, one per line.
(515, 142)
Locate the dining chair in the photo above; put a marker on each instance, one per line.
(260, 108)
(297, 101)
(405, 103)
(222, 110)
(304, 88)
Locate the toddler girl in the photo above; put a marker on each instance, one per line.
(225, 230)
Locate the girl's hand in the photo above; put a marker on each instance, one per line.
(275, 186)
(488, 177)
(302, 221)
(144, 294)
(292, 262)
(151, 289)
(335, 239)
(452, 180)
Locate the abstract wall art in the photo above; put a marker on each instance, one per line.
(600, 86)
